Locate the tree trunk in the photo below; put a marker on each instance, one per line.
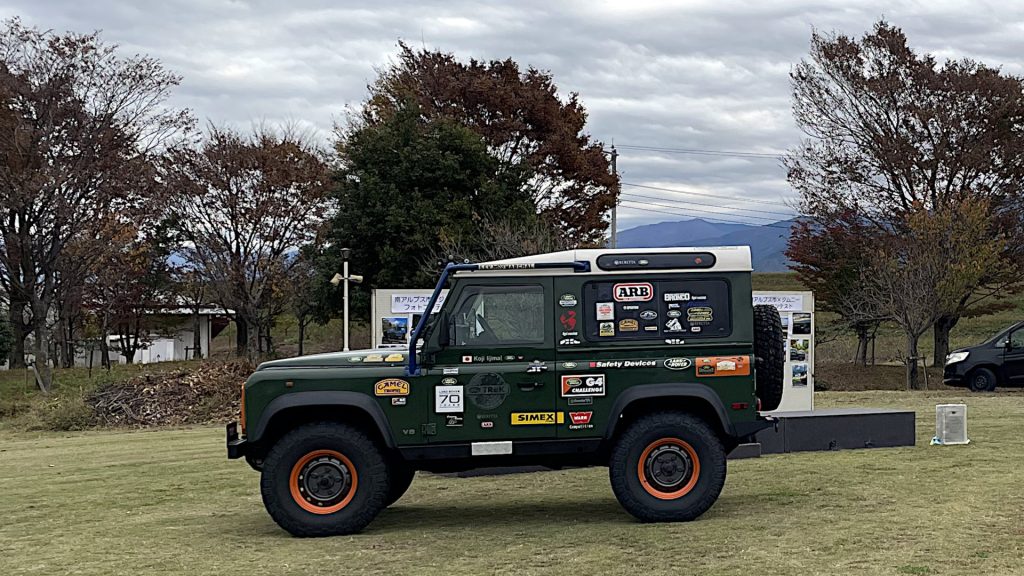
(104, 344)
(943, 326)
(241, 336)
(302, 334)
(41, 349)
(861, 358)
(197, 339)
(16, 315)
(913, 377)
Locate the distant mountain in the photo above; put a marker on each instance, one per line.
(677, 233)
(767, 243)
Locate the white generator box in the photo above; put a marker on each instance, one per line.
(950, 424)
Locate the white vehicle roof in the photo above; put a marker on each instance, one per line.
(727, 259)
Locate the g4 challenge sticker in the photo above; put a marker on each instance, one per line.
(576, 385)
(633, 292)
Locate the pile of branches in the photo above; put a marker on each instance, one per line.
(207, 392)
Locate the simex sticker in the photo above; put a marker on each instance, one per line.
(575, 385)
(448, 399)
(633, 292)
(537, 418)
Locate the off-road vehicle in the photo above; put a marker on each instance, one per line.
(652, 362)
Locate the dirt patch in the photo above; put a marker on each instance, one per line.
(848, 377)
(205, 393)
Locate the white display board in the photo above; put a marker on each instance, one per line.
(394, 314)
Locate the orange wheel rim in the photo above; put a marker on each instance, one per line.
(323, 481)
(668, 468)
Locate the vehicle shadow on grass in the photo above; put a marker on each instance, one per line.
(500, 515)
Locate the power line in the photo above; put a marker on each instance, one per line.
(716, 196)
(688, 209)
(703, 152)
(715, 218)
(786, 214)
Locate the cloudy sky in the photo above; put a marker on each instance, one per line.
(695, 75)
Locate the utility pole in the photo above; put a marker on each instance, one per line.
(615, 206)
(344, 279)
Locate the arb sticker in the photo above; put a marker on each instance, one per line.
(391, 387)
(576, 385)
(537, 418)
(633, 292)
(723, 366)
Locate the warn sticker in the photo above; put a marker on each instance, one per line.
(634, 292)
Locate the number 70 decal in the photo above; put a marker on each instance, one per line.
(448, 399)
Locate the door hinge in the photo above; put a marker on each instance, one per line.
(429, 429)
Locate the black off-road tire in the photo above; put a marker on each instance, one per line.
(982, 380)
(401, 478)
(636, 462)
(770, 356)
(332, 450)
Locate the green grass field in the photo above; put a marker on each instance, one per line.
(168, 502)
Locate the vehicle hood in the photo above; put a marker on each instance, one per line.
(352, 359)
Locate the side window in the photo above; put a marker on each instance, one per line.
(498, 315)
(665, 308)
(1017, 339)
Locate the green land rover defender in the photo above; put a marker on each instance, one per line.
(652, 362)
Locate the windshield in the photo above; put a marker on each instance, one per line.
(999, 338)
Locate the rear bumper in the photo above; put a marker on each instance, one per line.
(237, 446)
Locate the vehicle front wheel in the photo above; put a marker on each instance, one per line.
(324, 479)
(667, 467)
(982, 380)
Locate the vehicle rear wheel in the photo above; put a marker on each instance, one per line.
(770, 356)
(401, 479)
(667, 467)
(982, 380)
(324, 479)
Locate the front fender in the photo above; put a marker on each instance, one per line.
(319, 399)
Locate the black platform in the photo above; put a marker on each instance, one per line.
(833, 429)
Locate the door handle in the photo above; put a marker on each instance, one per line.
(528, 386)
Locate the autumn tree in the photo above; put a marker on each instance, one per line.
(77, 126)
(532, 133)
(245, 204)
(835, 261)
(405, 186)
(921, 272)
(890, 132)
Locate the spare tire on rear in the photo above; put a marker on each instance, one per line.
(770, 356)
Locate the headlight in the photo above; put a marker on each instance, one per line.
(956, 357)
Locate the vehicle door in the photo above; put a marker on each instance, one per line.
(1013, 357)
(495, 379)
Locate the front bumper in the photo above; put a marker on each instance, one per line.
(955, 374)
(237, 446)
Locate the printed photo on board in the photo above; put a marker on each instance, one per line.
(785, 322)
(394, 329)
(799, 374)
(798, 348)
(801, 323)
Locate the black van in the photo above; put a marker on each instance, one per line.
(999, 361)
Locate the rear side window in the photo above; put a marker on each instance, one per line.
(688, 309)
(499, 316)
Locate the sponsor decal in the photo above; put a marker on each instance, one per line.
(580, 420)
(486, 424)
(355, 359)
(677, 363)
(699, 314)
(568, 342)
(633, 292)
(449, 381)
(631, 307)
(569, 365)
(650, 328)
(581, 401)
(537, 418)
(510, 358)
(673, 306)
(567, 300)
(624, 364)
(394, 357)
(674, 313)
(568, 320)
(606, 329)
(450, 371)
(674, 341)
(648, 315)
(583, 385)
(677, 297)
(467, 359)
(536, 367)
(483, 416)
(373, 358)
(723, 366)
(391, 387)
(487, 391)
(453, 420)
(448, 399)
(694, 329)
(398, 401)
(674, 325)
(605, 311)
(628, 325)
